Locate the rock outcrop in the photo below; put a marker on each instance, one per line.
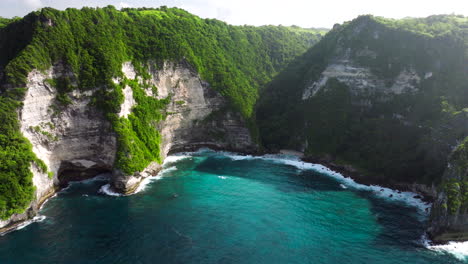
(450, 210)
(197, 117)
(360, 79)
(75, 141)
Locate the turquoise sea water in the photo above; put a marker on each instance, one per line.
(213, 208)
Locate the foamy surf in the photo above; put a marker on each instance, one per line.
(37, 218)
(174, 158)
(169, 159)
(379, 191)
(173, 168)
(42, 205)
(106, 189)
(99, 177)
(457, 249)
(144, 183)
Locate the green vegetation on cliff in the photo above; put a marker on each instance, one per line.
(139, 140)
(456, 184)
(396, 137)
(93, 43)
(16, 157)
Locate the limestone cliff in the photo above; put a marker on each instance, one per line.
(76, 141)
(197, 116)
(361, 80)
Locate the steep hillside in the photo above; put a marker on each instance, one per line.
(389, 97)
(449, 219)
(126, 87)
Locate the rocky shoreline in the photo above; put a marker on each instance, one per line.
(29, 214)
(426, 194)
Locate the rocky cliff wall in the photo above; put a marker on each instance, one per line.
(197, 116)
(450, 209)
(76, 141)
(361, 80)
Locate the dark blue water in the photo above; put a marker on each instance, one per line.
(210, 208)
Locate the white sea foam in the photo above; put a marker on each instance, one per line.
(144, 183)
(222, 177)
(174, 158)
(173, 168)
(379, 191)
(382, 192)
(458, 249)
(64, 190)
(169, 159)
(42, 205)
(37, 218)
(106, 189)
(99, 177)
(237, 156)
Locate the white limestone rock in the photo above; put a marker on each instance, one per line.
(129, 102)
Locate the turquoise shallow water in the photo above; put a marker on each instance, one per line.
(210, 208)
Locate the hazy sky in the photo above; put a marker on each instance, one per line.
(305, 13)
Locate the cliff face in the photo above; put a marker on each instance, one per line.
(361, 80)
(76, 141)
(197, 116)
(450, 210)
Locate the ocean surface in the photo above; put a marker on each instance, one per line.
(213, 207)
